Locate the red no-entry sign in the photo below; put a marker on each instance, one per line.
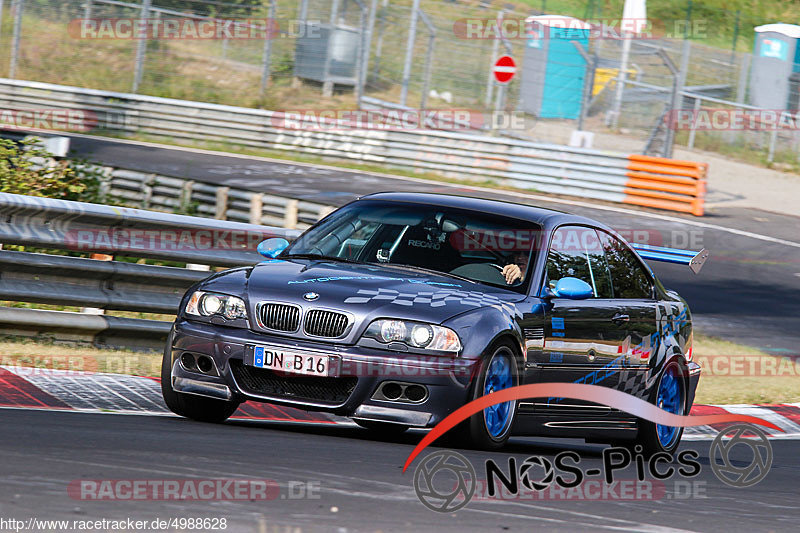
(504, 69)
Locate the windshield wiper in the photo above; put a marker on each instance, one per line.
(427, 271)
(318, 256)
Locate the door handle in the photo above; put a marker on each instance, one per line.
(620, 318)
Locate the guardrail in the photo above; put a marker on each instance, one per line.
(154, 191)
(549, 168)
(113, 285)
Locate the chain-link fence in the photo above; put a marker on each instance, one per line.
(348, 54)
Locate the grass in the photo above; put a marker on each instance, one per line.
(75, 309)
(728, 378)
(77, 358)
(714, 388)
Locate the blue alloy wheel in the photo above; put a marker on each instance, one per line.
(670, 398)
(499, 376)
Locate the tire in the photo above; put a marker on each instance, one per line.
(491, 428)
(190, 405)
(383, 429)
(670, 394)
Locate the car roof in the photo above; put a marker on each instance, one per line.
(545, 217)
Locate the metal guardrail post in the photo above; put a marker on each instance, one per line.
(256, 208)
(141, 49)
(265, 62)
(677, 94)
(490, 78)
(290, 214)
(379, 45)
(587, 82)
(426, 76)
(773, 138)
(16, 5)
(147, 190)
(741, 86)
(373, 8)
(359, 62)
(221, 206)
(87, 9)
(693, 130)
(412, 35)
(327, 85)
(185, 198)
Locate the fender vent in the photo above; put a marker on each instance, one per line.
(533, 333)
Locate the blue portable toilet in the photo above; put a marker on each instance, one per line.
(776, 62)
(553, 71)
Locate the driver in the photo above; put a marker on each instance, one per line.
(515, 272)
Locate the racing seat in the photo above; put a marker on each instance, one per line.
(426, 246)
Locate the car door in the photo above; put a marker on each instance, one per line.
(582, 338)
(633, 289)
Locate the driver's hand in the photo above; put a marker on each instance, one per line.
(512, 273)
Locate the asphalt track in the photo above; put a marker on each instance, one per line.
(747, 292)
(357, 479)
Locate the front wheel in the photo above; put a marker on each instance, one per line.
(669, 395)
(490, 428)
(190, 405)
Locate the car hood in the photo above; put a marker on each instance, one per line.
(371, 291)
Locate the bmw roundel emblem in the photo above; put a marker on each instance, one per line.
(310, 296)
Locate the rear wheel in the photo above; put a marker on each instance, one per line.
(490, 428)
(190, 405)
(670, 395)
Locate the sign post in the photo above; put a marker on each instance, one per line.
(504, 70)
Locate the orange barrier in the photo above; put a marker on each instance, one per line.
(666, 183)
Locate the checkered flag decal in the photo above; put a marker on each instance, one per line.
(431, 298)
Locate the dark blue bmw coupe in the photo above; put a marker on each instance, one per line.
(399, 308)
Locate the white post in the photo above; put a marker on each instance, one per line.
(412, 34)
(12, 67)
(141, 48)
(623, 71)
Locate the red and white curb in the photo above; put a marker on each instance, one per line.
(36, 388)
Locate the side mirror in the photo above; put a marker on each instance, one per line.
(573, 288)
(271, 248)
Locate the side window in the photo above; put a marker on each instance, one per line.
(627, 273)
(577, 252)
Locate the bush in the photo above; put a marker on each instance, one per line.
(27, 168)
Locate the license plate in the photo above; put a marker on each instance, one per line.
(289, 361)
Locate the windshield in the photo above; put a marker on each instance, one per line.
(476, 246)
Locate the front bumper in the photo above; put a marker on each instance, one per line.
(358, 374)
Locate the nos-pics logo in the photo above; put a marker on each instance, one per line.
(446, 481)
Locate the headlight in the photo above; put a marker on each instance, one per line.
(414, 334)
(210, 303)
